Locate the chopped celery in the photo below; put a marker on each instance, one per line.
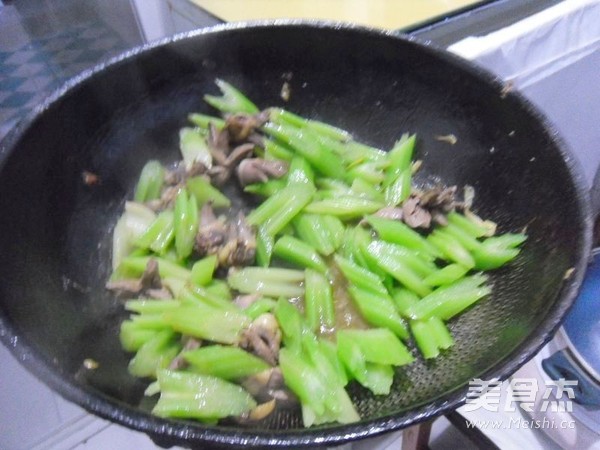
(268, 281)
(451, 248)
(299, 196)
(150, 306)
(363, 189)
(396, 232)
(150, 182)
(185, 223)
(399, 190)
(229, 363)
(134, 266)
(300, 253)
(446, 275)
(260, 306)
(131, 226)
(264, 247)
(204, 121)
(207, 323)
(154, 354)
(359, 276)
(194, 148)
(266, 189)
(300, 171)
(379, 345)
(291, 324)
(291, 195)
(345, 207)
(133, 335)
(203, 269)
(204, 192)
(313, 229)
(203, 397)
(232, 100)
(399, 157)
(378, 310)
(398, 267)
(159, 234)
(318, 301)
(404, 299)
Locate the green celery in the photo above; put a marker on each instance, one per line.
(159, 234)
(150, 306)
(451, 248)
(398, 267)
(274, 150)
(399, 157)
(425, 340)
(260, 306)
(344, 207)
(203, 397)
(300, 171)
(291, 324)
(364, 189)
(204, 121)
(404, 299)
(204, 192)
(133, 335)
(232, 100)
(134, 266)
(266, 189)
(271, 282)
(400, 188)
(229, 363)
(312, 229)
(318, 301)
(203, 269)
(379, 345)
(299, 196)
(185, 222)
(378, 310)
(441, 333)
(396, 232)
(154, 354)
(446, 275)
(207, 323)
(150, 182)
(264, 247)
(300, 253)
(194, 148)
(359, 276)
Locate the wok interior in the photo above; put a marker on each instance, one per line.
(55, 231)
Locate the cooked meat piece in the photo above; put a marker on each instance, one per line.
(257, 414)
(241, 126)
(238, 154)
(243, 301)
(212, 233)
(442, 198)
(189, 343)
(414, 215)
(159, 294)
(167, 199)
(146, 285)
(255, 170)
(219, 175)
(181, 173)
(240, 247)
(256, 139)
(218, 144)
(263, 338)
(268, 385)
(390, 212)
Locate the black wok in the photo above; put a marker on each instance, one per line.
(55, 230)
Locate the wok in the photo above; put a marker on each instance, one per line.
(55, 230)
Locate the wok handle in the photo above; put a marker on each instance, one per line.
(560, 365)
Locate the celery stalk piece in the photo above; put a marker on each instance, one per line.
(207, 323)
(299, 196)
(358, 151)
(159, 234)
(275, 150)
(131, 226)
(424, 338)
(278, 201)
(378, 310)
(344, 207)
(318, 302)
(379, 378)
(194, 148)
(154, 354)
(185, 223)
(219, 288)
(467, 290)
(399, 157)
(329, 349)
(150, 182)
(505, 241)
(204, 121)
(150, 306)
(368, 171)
(441, 333)
(400, 188)
(446, 275)
(300, 171)
(281, 116)
(304, 380)
(396, 232)
(464, 238)
(360, 277)
(203, 397)
(404, 299)
(291, 324)
(312, 229)
(412, 259)
(363, 189)
(270, 282)
(451, 248)
(229, 363)
(475, 229)
(449, 309)
(200, 295)
(134, 266)
(379, 345)
(266, 189)
(232, 100)
(200, 188)
(492, 258)
(397, 267)
(132, 335)
(260, 306)
(300, 253)
(264, 247)
(305, 143)
(334, 228)
(203, 270)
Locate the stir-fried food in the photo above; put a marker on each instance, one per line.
(343, 271)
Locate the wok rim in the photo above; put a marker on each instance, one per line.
(173, 432)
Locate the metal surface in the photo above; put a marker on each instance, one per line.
(55, 312)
